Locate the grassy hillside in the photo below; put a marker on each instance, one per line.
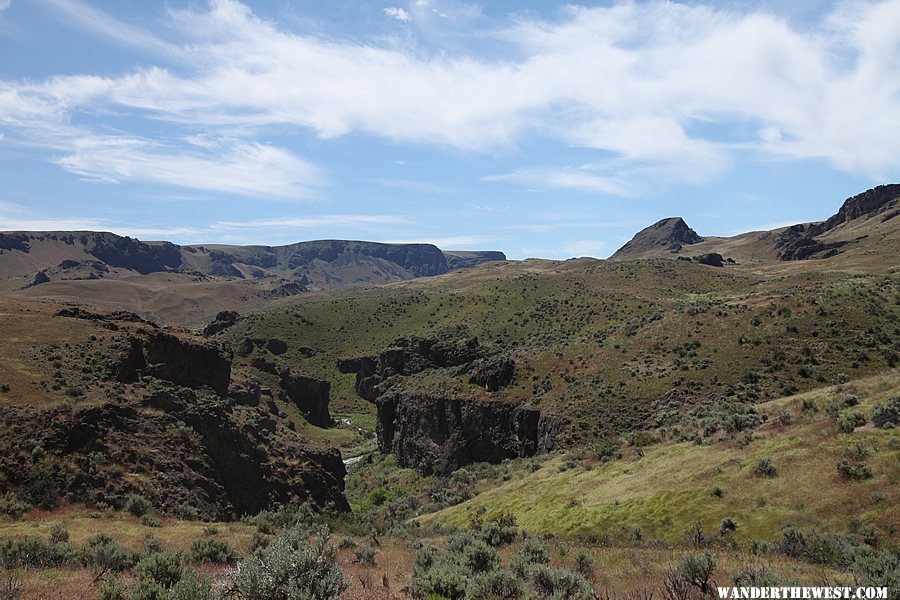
(662, 488)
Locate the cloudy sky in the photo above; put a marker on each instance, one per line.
(537, 128)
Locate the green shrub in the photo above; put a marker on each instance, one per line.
(211, 551)
(58, 533)
(849, 422)
(150, 521)
(500, 531)
(877, 569)
(365, 555)
(12, 506)
(192, 587)
(886, 414)
(443, 578)
(187, 512)
(697, 571)
(480, 557)
(162, 568)
(501, 585)
(346, 543)
(33, 551)
(137, 505)
(857, 471)
(765, 468)
(298, 564)
(103, 555)
(559, 583)
(584, 564)
(113, 589)
(531, 552)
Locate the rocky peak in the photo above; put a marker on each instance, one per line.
(868, 203)
(668, 234)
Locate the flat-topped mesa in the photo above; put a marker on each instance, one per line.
(670, 234)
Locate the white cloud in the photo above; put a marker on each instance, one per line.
(577, 179)
(247, 169)
(4, 4)
(98, 21)
(660, 91)
(398, 13)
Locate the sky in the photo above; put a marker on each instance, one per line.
(539, 128)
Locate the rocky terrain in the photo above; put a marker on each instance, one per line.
(870, 212)
(166, 422)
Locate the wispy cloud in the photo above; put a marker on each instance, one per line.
(451, 242)
(657, 91)
(395, 12)
(312, 222)
(248, 169)
(4, 4)
(79, 14)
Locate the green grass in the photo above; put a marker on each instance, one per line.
(666, 490)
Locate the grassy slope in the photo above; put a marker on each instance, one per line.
(669, 488)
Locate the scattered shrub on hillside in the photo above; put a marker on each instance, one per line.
(150, 521)
(137, 505)
(495, 584)
(161, 568)
(10, 583)
(102, 555)
(4, 388)
(113, 589)
(697, 570)
(718, 492)
(187, 512)
(559, 583)
(849, 422)
(192, 587)
(531, 552)
(346, 543)
(500, 530)
(298, 563)
(695, 536)
(765, 468)
(857, 471)
(33, 551)
(211, 551)
(365, 556)
(58, 533)
(584, 564)
(886, 414)
(727, 527)
(880, 569)
(12, 506)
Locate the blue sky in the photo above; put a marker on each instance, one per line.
(537, 128)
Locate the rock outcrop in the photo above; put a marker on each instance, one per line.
(462, 259)
(670, 234)
(185, 447)
(186, 362)
(439, 435)
(310, 394)
(223, 320)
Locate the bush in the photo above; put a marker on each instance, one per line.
(531, 552)
(58, 533)
(187, 512)
(103, 555)
(697, 571)
(161, 568)
(191, 587)
(479, 557)
(365, 556)
(765, 468)
(137, 505)
(584, 564)
(33, 551)
(211, 551)
(113, 589)
(857, 471)
(500, 531)
(495, 584)
(299, 563)
(559, 583)
(150, 521)
(849, 422)
(12, 506)
(886, 414)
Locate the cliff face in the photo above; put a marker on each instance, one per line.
(310, 394)
(195, 448)
(190, 436)
(439, 435)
